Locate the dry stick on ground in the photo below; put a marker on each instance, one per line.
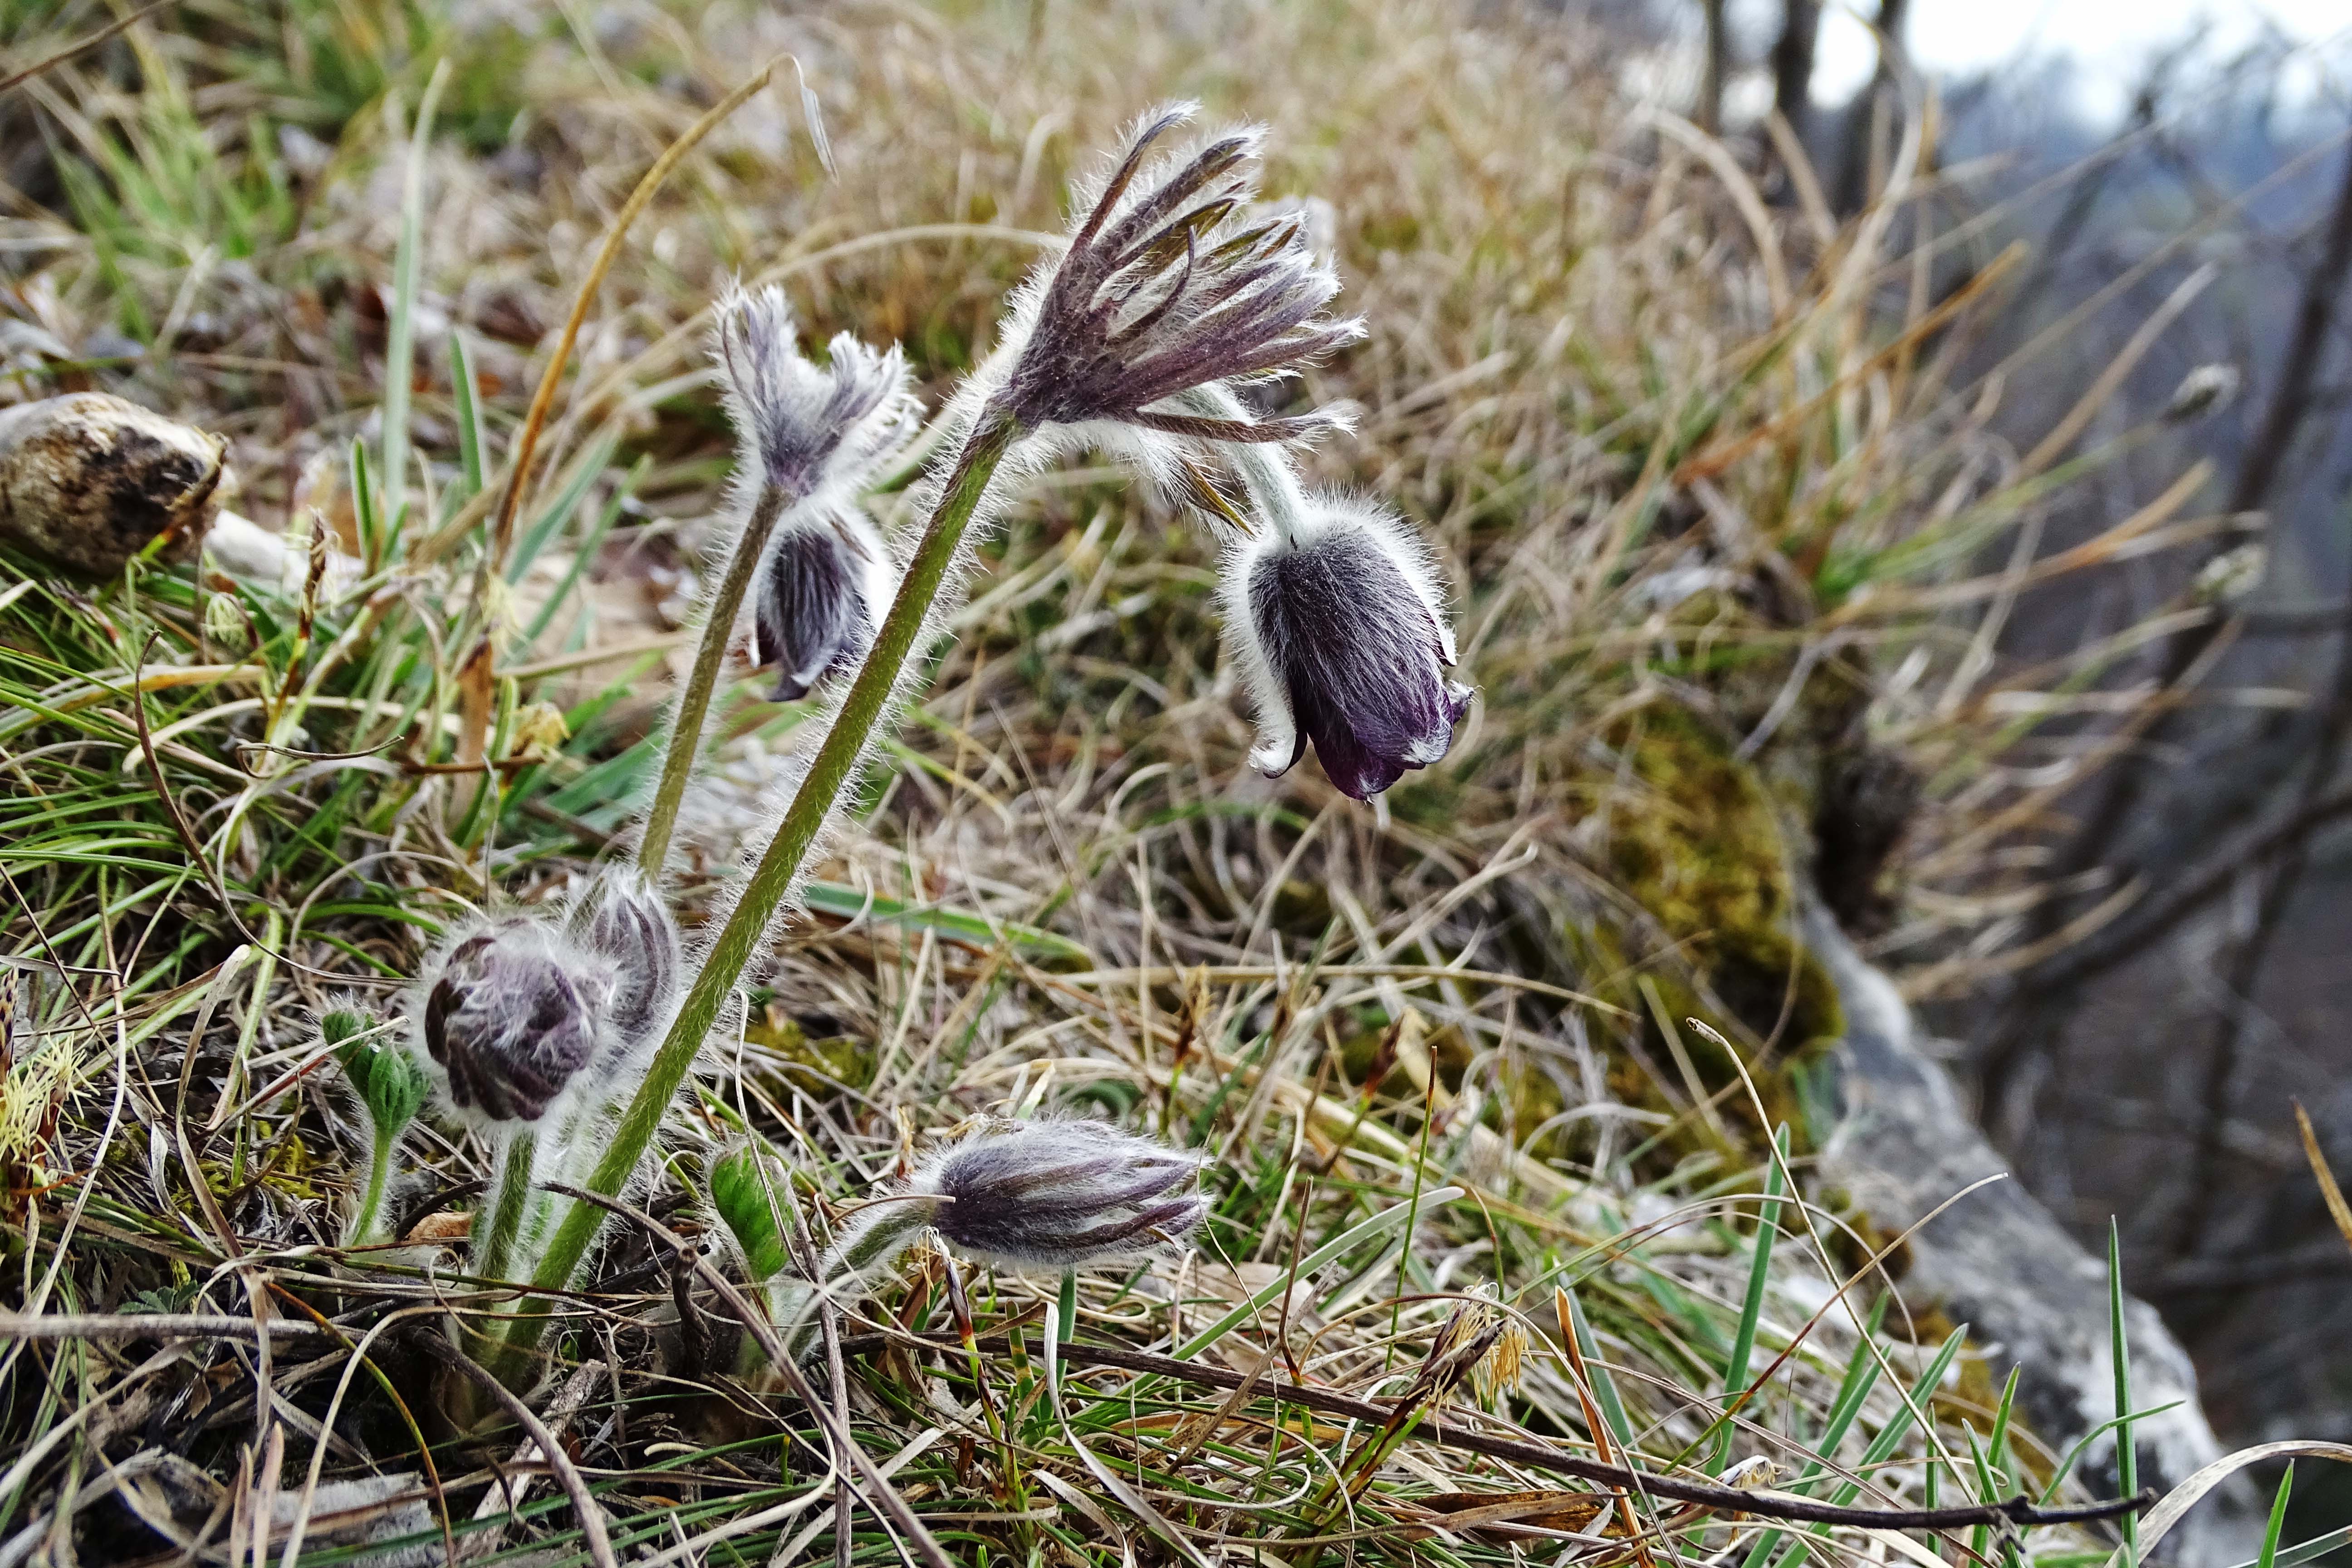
(2018, 1510)
(567, 1474)
(2038, 1012)
(886, 1500)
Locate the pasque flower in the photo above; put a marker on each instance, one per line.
(512, 1011)
(810, 440)
(1058, 1195)
(624, 922)
(814, 437)
(1169, 282)
(1337, 625)
(510, 1014)
(809, 430)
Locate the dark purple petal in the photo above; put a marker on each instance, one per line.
(626, 922)
(1359, 654)
(508, 1024)
(812, 616)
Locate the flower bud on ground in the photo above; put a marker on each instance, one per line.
(624, 921)
(392, 1087)
(510, 1014)
(1051, 1195)
(1336, 622)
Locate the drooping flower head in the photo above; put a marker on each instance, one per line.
(510, 1014)
(1337, 625)
(1038, 1195)
(814, 437)
(1170, 283)
(809, 429)
(1061, 1194)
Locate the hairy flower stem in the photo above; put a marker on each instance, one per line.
(503, 1221)
(370, 1217)
(694, 702)
(829, 774)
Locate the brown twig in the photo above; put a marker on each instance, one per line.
(121, 24)
(2017, 1510)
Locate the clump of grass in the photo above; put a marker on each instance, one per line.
(1708, 501)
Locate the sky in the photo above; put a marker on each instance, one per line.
(2112, 41)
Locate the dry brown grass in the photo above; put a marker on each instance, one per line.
(1708, 496)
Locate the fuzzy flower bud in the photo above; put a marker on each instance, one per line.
(809, 429)
(625, 923)
(1169, 284)
(824, 586)
(1060, 1194)
(387, 1078)
(510, 1014)
(1337, 625)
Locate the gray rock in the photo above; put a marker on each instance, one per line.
(2000, 1262)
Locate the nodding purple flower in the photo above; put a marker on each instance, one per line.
(1170, 282)
(808, 430)
(623, 923)
(814, 437)
(510, 1014)
(824, 585)
(1338, 626)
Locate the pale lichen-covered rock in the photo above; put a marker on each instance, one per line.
(2000, 1262)
(88, 481)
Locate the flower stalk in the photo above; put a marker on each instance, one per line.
(709, 658)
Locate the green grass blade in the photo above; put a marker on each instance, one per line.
(2126, 1452)
(1338, 1247)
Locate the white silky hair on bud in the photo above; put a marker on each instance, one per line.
(1298, 520)
(813, 431)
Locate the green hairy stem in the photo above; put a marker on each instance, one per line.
(368, 1220)
(830, 772)
(694, 701)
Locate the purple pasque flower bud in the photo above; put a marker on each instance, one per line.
(1336, 622)
(623, 923)
(510, 1014)
(824, 585)
(1169, 281)
(1060, 1194)
(808, 430)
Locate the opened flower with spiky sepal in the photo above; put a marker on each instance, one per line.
(1337, 625)
(1172, 280)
